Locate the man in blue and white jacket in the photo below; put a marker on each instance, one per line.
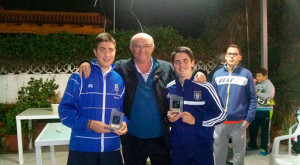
(87, 105)
(191, 138)
(236, 88)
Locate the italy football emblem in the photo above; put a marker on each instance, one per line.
(117, 88)
(197, 95)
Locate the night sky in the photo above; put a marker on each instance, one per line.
(186, 16)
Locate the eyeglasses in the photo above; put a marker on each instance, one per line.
(138, 47)
(232, 54)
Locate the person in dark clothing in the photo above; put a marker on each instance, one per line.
(145, 103)
(222, 61)
(191, 137)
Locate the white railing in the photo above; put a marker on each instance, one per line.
(209, 66)
(39, 69)
(14, 77)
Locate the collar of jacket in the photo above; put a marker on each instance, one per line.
(234, 69)
(186, 82)
(157, 70)
(94, 62)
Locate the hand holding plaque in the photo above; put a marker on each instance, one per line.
(116, 119)
(176, 104)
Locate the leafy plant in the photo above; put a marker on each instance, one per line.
(55, 99)
(25, 49)
(287, 122)
(10, 126)
(37, 93)
(34, 95)
(284, 111)
(52, 48)
(122, 38)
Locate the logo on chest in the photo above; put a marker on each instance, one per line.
(90, 86)
(197, 95)
(116, 88)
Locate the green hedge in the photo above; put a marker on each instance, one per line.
(51, 48)
(70, 48)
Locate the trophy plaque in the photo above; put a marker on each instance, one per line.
(176, 104)
(116, 119)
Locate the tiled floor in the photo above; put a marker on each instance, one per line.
(252, 158)
(29, 156)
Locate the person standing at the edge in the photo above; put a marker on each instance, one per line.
(236, 88)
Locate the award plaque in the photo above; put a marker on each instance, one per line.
(116, 119)
(176, 104)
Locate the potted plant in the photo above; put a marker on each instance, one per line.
(10, 130)
(34, 95)
(38, 92)
(4, 109)
(54, 101)
(2, 118)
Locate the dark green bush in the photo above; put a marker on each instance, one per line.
(122, 38)
(10, 126)
(52, 48)
(25, 49)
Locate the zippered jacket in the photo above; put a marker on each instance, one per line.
(203, 102)
(92, 98)
(237, 92)
(265, 91)
(162, 75)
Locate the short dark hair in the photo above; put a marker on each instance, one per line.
(221, 58)
(234, 46)
(263, 71)
(185, 50)
(104, 37)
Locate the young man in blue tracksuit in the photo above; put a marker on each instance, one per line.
(236, 89)
(191, 138)
(87, 105)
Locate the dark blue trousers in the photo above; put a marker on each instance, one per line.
(95, 158)
(136, 150)
(261, 120)
(193, 155)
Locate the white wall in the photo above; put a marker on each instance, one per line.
(10, 84)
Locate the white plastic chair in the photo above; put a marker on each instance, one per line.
(285, 159)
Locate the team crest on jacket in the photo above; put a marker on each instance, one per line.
(197, 95)
(117, 88)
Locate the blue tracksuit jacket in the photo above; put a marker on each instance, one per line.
(237, 92)
(203, 102)
(92, 98)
